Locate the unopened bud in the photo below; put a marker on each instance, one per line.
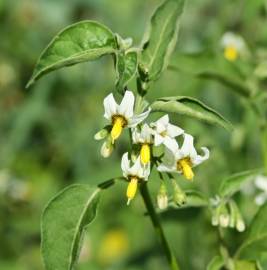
(102, 134)
(124, 44)
(107, 148)
(224, 218)
(162, 198)
(233, 214)
(214, 220)
(240, 225)
(179, 196)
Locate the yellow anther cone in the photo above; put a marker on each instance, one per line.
(145, 154)
(131, 189)
(230, 53)
(185, 166)
(117, 128)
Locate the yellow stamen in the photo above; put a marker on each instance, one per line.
(118, 123)
(185, 166)
(230, 53)
(131, 189)
(145, 153)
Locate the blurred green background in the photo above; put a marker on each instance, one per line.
(46, 140)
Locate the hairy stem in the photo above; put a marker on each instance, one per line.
(158, 228)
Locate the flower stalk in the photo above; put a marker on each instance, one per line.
(158, 228)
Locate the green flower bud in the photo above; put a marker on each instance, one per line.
(179, 196)
(162, 197)
(102, 134)
(107, 148)
(224, 217)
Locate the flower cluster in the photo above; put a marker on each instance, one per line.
(145, 137)
(226, 214)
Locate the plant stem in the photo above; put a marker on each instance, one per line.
(264, 146)
(158, 228)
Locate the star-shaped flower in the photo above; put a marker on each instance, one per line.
(182, 160)
(133, 173)
(122, 115)
(164, 132)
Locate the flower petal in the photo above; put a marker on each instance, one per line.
(125, 164)
(110, 106)
(174, 131)
(158, 139)
(136, 169)
(137, 119)
(164, 120)
(127, 105)
(261, 198)
(146, 133)
(146, 171)
(171, 144)
(261, 182)
(188, 148)
(199, 159)
(165, 168)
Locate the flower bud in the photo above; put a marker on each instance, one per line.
(162, 198)
(124, 44)
(101, 134)
(224, 218)
(233, 214)
(179, 196)
(240, 224)
(107, 148)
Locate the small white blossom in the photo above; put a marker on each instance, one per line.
(134, 170)
(134, 173)
(233, 45)
(261, 184)
(122, 115)
(183, 159)
(145, 139)
(145, 135)
(164, 132)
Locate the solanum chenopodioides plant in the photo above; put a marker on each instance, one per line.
(68, 213)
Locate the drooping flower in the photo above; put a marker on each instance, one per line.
(164, 132)
(133, 173)
(182, 160)
(144, 137)
(233, 45)
(122, 116)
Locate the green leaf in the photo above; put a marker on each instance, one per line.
(246, 265)
(208, 65)
(235, 182)
(63, 224)
(126, 67)
(191, 107)
(216, 263)
(255, 243)
(160, 39)
(79, 42)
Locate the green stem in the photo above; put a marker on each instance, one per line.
(264, 146)
(158, 228)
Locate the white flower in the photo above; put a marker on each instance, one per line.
(122, 116)
(183, 159)
(164, 132)
(134, 173)
(145, 139)
(233, 45)
(143, 136)
(261, 184)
